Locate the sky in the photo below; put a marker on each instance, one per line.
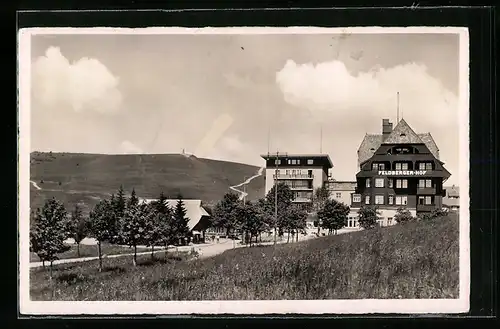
(234, 97)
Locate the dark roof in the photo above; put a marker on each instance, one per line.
(403, 134)
(371, 142)
(291, 155)
(452, 191)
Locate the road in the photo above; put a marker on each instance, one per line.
(204, 250)
(35, 185)
(241, 193)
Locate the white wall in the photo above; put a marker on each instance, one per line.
(345, 196)
(319, 176)
(385, 214)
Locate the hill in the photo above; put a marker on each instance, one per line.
(86, 178)
(415, 260)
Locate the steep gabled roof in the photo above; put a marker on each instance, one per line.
(403, 134)
(430, 143)
(194, 210)
(368, 146)
(371, 142)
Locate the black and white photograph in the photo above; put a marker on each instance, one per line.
(244, 170)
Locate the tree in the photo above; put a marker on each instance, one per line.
(280, 205)
(320, 197)
(102, 226)
(368, 217)
(225, 213)
(135, 226)
(133, 200)
(295, 221)
(265, 212)
(333, 215)
(49, 231)
(78, 227)
(403, 215)
(249, 220)
(120, 203)
(181, 229)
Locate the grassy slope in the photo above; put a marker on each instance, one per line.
(416, 260)
(91, 251)
(88, 177)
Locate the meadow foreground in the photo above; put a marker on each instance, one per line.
(415, 260)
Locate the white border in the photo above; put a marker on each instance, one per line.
(363, 306)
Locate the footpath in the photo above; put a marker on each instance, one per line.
(204, 251)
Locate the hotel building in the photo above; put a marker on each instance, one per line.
(399, 168)
(303, 173)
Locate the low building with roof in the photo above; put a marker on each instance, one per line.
(198, 217)
(452, 199)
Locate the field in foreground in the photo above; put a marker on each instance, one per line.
(416, 260)
(91, 251)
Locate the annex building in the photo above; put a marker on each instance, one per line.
(399, 168)
(303, 173)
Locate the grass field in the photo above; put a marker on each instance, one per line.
(86, 178)
(415, 260)
(91, 251)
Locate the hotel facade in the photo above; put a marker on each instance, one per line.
(303, 173)
(399, 168)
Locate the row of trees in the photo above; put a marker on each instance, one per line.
(118, 220)
(277, 213)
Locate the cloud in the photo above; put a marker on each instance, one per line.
(128, 147)
(84, 85)
(329, 86)
(231, 148)
(216, 131)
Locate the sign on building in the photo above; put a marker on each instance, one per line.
(402, 172)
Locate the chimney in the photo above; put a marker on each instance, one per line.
(386, 128)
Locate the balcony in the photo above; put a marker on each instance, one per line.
(426, 207)
(426, 191)
(299, 176)
(301, 188)
(302, 200)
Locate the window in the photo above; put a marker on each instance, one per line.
(380, 222)
(421, 200)
(298, 162)
(422, 183)
(428, 166)
(389, 221)
(289, 161)
(428, 200)
(379, 199)
(401, 183)
(356, 198)
(378, 166)
(390, 183)
(379, 182)
(367, 199)
(391, 199)
(374, 166)
(287, 172)
(401, 166)
(368, 182)
(401, 200)
(277, 162)
(294, 162)
(338, 195)
(310, 162)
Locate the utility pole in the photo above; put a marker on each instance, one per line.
(321, 139)
(398, 108)
(276, 195)
(244, 191)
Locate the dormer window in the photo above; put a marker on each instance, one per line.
(403, 135)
